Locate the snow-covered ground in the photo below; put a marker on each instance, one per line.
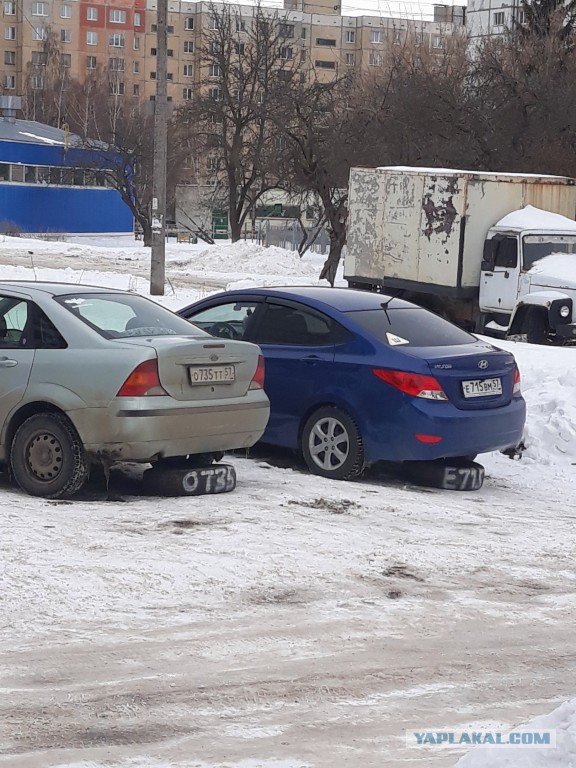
(296, 622)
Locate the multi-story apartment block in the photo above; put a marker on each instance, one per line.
(118, 38)
(485, 18)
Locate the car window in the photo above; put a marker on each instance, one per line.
(13, 319)
(121, 315)
(24, 324)
(410, 326)
(296, 325)
(228, 321)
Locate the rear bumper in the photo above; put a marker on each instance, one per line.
(462, 433)
(144, 429)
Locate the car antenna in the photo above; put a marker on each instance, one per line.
(384, 306)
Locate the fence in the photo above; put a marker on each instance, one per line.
(290, 234)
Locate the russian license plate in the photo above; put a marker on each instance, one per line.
(212, 374)
(482, 387)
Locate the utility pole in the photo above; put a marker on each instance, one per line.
(158, 255)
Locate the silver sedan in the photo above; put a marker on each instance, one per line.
(93, 375)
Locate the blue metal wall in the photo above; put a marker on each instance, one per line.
(51, 208)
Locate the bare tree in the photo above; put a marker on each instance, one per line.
(228, 119)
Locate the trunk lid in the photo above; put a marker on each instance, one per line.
(201, 368)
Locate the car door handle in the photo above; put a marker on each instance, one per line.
(6, 362)
(488, 274)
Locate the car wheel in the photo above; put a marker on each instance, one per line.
(332, 445)
(537, 328)
(47, 457)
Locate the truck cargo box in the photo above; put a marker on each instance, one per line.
(415, 227)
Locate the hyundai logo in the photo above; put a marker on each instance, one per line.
(483, 364)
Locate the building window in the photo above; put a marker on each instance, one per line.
(376, 36)
(39, 58)
(325, 64)
(239, 49)
(188, 46)
(170, 29)
(9, 8)
(521, 16)
(92, 14)
(10, 82)
(285, 53)
(90, 62)
(136, 67)
(215, 94)
(350, 36)
(116, 65)
(303, 55)
(117, 16)
(437, 42)
(136, 90)
(397, 38)
(92, 38)
(375, 60)
(215, 46)
(153, 28)
(498, 19)
(187, 94)
(188, 70)
(418, 39)
(214, 70)
(39, 33)
(152, 51)
(39, 9)
(350, 59)
(9, 57)
(10, 33)
(117, 40)
(117, 87)
(137, 19)
(65, 11)
(287, 30)
(189, 23)
(325, 41)
(240, 25)
(152, 75)
(169, 52)
(136, 43)
(169, 76)
(38, 82)
(212, 23)
(65, 35)
(66, 59)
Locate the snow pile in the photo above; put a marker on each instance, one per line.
(246, 260)
(563, 755)
(549, 388)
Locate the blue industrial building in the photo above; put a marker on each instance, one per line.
(49, 183)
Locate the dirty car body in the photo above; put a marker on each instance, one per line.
(121, 378)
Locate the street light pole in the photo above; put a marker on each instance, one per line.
(158, 254)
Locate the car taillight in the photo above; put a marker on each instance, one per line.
(414, 384)
(516, 386)
(258, 378)
(143, 381)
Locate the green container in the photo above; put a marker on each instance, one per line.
(220, 225)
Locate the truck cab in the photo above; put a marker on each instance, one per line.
(528, 277)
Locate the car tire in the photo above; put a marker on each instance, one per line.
(339, 435)
(47, 457)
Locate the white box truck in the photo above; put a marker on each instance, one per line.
(490, 251)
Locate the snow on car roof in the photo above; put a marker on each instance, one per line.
(530, 217)
(56, 289)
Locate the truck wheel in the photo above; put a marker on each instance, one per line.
(537, 328)
(332, 445)
(47, 457)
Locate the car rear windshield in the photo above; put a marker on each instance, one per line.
(413, 326)
(123, 315)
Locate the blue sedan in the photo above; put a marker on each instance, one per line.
(355, 377)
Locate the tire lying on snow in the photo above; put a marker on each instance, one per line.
(186, 480)
(457, 474)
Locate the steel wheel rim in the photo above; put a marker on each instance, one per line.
(44, 456)
(329, 444)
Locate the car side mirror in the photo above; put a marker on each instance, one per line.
(489, 256)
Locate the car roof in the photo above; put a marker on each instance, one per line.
(342, 299)
(55, 289)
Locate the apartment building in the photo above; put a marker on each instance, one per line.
(485, 18)
(118, 38)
